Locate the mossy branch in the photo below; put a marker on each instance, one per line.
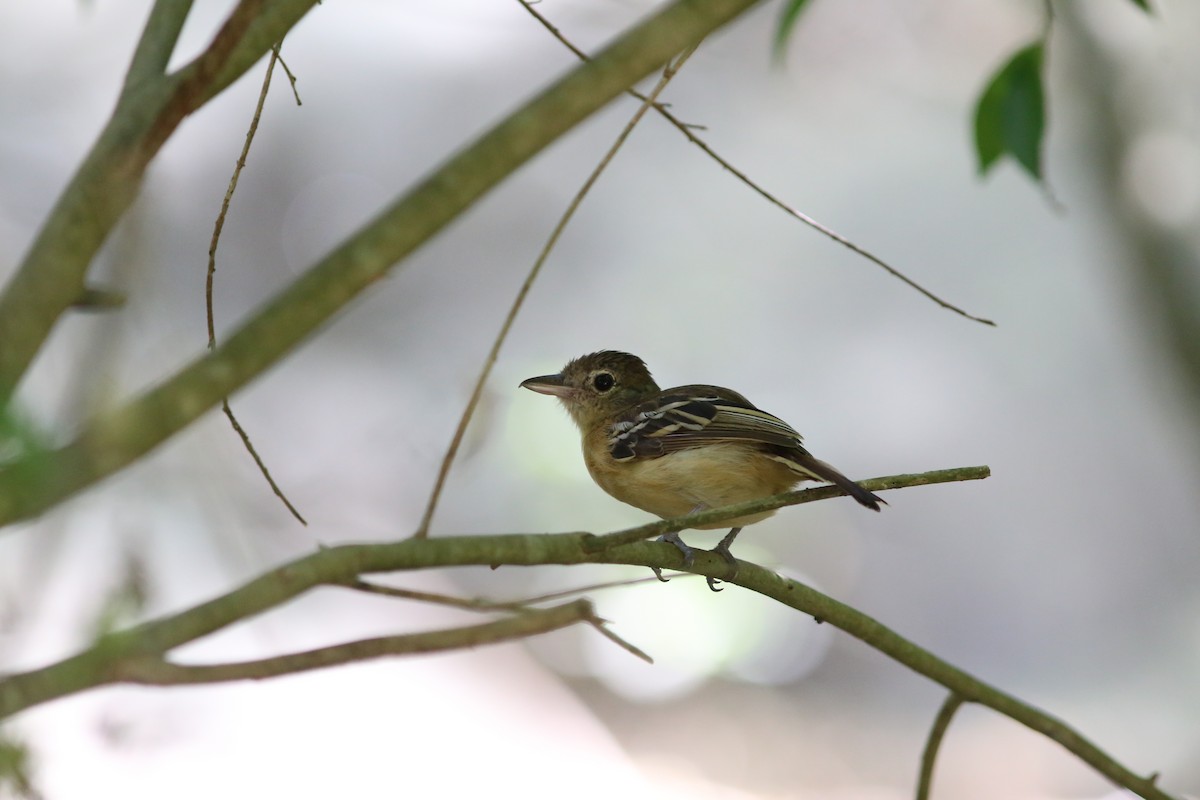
(138, 654)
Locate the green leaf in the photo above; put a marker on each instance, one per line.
(1011, 117)
(1144, 5)
(787, 21)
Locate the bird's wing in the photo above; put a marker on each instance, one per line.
(693, 416)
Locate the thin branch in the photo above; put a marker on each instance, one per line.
(287, 71)
(960, 683)
(602, 626)
(119, 436)
(936, 734)
(595, 587)
(466, 603)
(468, 412)
(482, 603)
(687, 130)
(262, 466)
(218, 226)
(652, 529)
(156, 671)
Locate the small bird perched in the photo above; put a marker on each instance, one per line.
(677, 451)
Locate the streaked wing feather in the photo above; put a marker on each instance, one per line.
(680, 419)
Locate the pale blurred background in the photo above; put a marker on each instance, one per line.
(1068, 578)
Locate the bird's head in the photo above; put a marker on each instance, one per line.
(597, 386)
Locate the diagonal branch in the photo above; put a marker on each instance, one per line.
(960, 683)
(126, 433)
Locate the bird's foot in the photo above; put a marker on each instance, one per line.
(722, 550)
(688, 553)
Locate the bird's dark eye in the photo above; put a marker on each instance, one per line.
(603, 382)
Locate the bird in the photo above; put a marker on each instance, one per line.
(677, 451)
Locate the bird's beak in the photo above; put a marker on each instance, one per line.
(548, 384)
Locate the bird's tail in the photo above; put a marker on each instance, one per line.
(811, 467)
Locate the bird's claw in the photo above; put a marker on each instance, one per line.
(658, 574)
(722, 550)
(688, 553)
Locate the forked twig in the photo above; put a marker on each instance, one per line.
(212, 269)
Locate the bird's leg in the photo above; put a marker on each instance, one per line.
(689, 554)
(722, 549)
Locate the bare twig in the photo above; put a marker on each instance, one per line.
(212, 271)
(642, 532)
(484, 604)
(602, 626)
(157, 671)
(262, 466)
(447, 460)
(936, 733)
(466, 603)
(687, 130)
(542, 598)
(287, 71)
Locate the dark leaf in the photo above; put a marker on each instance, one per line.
(1011, 117)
